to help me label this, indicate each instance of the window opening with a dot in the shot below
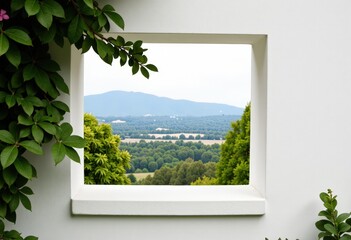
(173, 124)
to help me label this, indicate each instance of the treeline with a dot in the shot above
(184, 173)
(213, 127)
(151, 156)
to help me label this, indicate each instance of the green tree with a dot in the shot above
(104, 162)
(205, 181)
(233, 166)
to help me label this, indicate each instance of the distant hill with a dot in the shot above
(120, 103)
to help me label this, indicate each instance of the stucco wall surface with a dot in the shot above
(308, 122)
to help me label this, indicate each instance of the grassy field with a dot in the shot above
(140, 176)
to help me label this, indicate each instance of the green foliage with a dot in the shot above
(333, 226)
(205, 181)
(233, 166)
(184, 173)
(155, 154)
(30, 85)
(104, 163)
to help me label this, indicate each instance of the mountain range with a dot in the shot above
(121, 103)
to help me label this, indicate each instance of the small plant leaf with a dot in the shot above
(116, 18)
(151, 67)
(330, 228)
(74, 141)
(7, 137)
(58, 152)
(32, 146)
(9, 176)
(32, 7)
(4, 44)
(37, 133)
(23, 167)
(25, 201)
(44, 16)
(342, 217)
(19, 36)
(8, 156)
(72, 154)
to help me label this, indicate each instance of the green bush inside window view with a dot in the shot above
(189, 124)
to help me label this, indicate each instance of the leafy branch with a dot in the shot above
(30, 84)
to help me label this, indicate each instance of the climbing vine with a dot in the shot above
(30, 83)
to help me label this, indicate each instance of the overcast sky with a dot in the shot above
(198, 72)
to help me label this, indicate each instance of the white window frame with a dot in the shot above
(179, 200)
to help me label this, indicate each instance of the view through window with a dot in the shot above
(189, 124)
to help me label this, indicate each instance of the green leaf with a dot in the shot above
(66, 130)
(31, 238)
(330, 228)
(135, 68)
(42, 80)
(345, 237)
(89, 3)
(23, 167)
(151, 67)
(26, 190)
(17, 4)
(16, 79)
(342, 217)
(8, 156)
(320, 224)
(72, 154)
(26, 121)
(10, 100)
(25, 201)
(37, 133)
(25, 132)
(75, 30)
(7, 137)
(48, 127)
(27, 107)
(32, 146)
(44, 16)
(6, 196)
(35, 101)
(101, 48)
(14, 203)
(19, 36)
(3, 210)
(29, 72)
(74, 141)
(61, 105)
(324, 197)
(14, 55)
(32, 7)
(55, 8)
(145, 72)
(58, 152)
(9, 176)
(4, 44)
(344, 227)
(116, 18)
(59, 82)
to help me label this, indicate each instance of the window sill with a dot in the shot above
(168, 200)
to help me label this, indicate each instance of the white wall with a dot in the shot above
(308, 122)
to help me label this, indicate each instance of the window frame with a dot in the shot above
(178, 200)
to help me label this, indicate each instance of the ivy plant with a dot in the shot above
(30, 85)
